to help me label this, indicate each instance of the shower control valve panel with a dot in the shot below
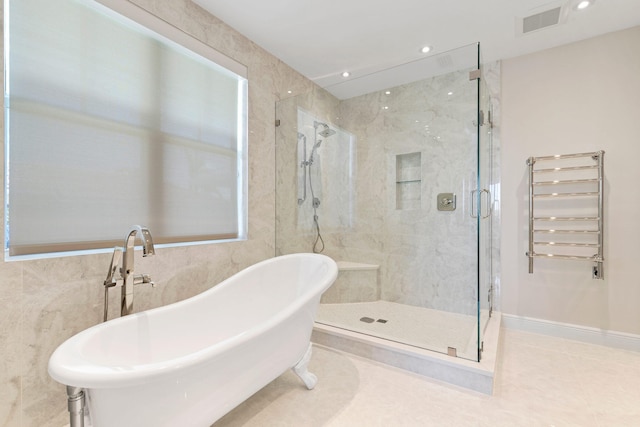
(446, 202)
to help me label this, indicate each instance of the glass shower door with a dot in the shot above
(404, 226)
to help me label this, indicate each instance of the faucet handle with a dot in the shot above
(149, 281)
(140, 279)
(113, 267)
(115, 283)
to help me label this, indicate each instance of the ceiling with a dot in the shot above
(322, 39)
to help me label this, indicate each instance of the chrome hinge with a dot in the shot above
(475, 74)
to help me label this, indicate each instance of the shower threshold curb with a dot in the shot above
(477, 376)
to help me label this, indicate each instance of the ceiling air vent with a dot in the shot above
(541, 20)
(445, 61)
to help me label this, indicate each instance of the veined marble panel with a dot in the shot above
(423, 246)
(11, 346)
(353, 286)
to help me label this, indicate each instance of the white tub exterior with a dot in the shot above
(191, 362)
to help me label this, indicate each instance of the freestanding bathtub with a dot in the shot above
(191, 362)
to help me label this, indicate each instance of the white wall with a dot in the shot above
(575, 98)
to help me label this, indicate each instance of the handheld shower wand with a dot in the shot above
(306, 163)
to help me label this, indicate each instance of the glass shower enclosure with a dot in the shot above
(391, 175)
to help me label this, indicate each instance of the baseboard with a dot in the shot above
(586, 334)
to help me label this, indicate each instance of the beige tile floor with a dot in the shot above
(540, 381)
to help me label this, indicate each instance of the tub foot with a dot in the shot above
(301, 370)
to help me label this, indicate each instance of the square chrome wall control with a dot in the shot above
(446, 202)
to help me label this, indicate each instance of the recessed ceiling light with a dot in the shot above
(584, 4)
(388, 92)
(346, 74)
(426, 49)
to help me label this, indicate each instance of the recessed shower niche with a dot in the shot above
(408, 181)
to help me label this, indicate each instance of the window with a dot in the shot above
(109, 124)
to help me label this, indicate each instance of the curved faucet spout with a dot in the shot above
(145, 235)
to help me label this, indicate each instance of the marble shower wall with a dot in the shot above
(427, 257)
(329, 164)
(294, 231)
(430, 125)
(45, 301)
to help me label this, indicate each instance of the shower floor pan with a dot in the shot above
(416, 339)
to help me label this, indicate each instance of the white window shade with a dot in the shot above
(110, 125)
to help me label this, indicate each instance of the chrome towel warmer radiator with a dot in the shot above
(562, 191)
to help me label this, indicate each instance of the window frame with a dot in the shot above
(119, 9)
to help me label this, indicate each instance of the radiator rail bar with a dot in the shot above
(594, 162)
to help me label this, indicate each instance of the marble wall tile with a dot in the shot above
(492, 76)
(47, 317)
(353, 286)
(294, 229)
(10, 362)
(413, 271)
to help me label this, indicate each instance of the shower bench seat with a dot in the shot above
(356, 282)
(355, 266)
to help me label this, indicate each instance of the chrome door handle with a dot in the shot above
(473, 212)
(489, 203)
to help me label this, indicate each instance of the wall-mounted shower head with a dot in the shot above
(327, 132)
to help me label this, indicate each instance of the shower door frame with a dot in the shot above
(485, 204)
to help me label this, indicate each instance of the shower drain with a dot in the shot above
(371, 320)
